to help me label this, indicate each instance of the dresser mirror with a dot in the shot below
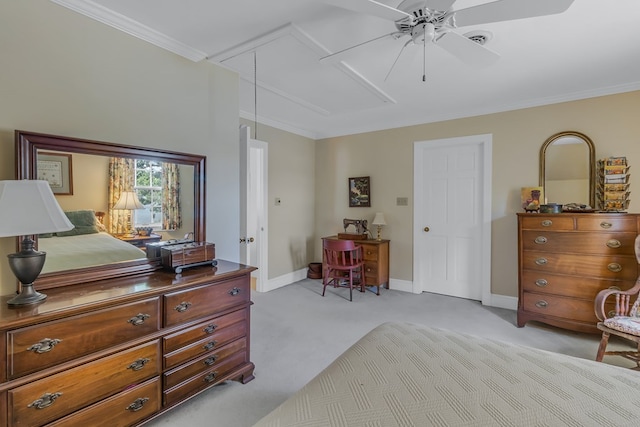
(191, 184)
(567, 169)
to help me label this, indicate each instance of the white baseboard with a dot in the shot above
(401, 285)
(286, 279)
(503, 301)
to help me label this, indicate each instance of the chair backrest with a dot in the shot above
(341, 252)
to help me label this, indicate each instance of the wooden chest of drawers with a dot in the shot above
(565, 259)
(130, 349)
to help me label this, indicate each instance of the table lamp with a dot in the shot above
(128, 201)
(27, 208)
(379, 221)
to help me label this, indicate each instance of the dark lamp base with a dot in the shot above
(28, 296)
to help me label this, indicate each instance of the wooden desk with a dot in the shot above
(376, 259)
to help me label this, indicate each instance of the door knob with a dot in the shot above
(426, 229)
(251, 240)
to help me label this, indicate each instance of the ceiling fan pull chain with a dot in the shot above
(424, 54)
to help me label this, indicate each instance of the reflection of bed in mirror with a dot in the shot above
(73, 252)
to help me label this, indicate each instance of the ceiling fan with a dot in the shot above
(435, 22)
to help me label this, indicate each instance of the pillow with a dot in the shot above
(84, 221)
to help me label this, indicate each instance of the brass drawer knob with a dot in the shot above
(137, 404)
(541, 282)
(541, 261)
(614, 243)
(44, 346)
(182, 307)
(547, 223)
(606, 225)
(211, 377)
(614, 288)
(235, 291)
(540, 240)
(210, 328)
(542, 304)
(138, 364)
(614, 267)
(46, 400)
(138, 319)
(209, 346)
(210, 360)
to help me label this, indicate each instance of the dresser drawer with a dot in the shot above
(203, 330)
(53, 397)
(369, 252)
(121, 410)
(371, 272)
(36, 347)
(212, 342)
(579, 242)
(558, 306)
(608, 267)
(547, 222)
(205, 363)
(619, 222)
(199, 302)
(203, 380)
(570, 286)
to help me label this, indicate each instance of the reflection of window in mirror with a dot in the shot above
(148, 186)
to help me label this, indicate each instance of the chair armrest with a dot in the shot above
(602, 296)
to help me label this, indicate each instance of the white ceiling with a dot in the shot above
(591, 49)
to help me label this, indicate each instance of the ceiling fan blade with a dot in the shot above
(442, 5)
(466, 50)
(507, 10)
(339, 55)
(371, 7)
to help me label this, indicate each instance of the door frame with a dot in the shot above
(262, 239)
(485, 141)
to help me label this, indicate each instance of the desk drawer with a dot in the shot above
(369, 252)
(68, 391)
(121, 410)
(195, 303)
(36, 347)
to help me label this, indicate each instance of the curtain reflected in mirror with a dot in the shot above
(567, 169)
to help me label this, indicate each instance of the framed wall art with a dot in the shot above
(55, 168)
(359, 192)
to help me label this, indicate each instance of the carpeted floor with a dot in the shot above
(295, 333)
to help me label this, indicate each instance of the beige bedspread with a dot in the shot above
(410, 375)
(69, 252)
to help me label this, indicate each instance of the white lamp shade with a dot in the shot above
(29, 207)
(379, 219)
(128, 201)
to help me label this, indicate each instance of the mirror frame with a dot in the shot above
(27, 146)
(592, 160)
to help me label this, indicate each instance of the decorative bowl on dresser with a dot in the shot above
(565, 259)
(121, 351)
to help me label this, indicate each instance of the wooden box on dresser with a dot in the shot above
(565, 259)
(121, 351)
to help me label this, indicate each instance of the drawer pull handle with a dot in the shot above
(235, 291)
(542, 304)
(614, 288)
(137, 404)
(540, 240)
(611, 313)
(541, 261)
(138, 364)
(46, 400)
(614, 243)
(182, 307)
(606, 225)
(209, 346)
(44, 345)
(211, 377)
(138, 319)
(541, 282)
(614, 267)
(210, 360)
(547, 223)
(210, 328)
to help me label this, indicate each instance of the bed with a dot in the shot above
(85, 250)
(402, 374)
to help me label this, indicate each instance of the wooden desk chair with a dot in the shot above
(344, 265)
(624, 321)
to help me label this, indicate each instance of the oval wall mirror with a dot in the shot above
(567, 169)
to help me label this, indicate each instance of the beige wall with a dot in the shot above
(66, 74)
(387, 156)
(291, 178)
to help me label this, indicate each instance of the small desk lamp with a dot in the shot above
(379, 221)
(128, 201)
(28, 207)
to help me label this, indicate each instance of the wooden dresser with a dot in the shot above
(565, 259)
(376, 259)
(119, 352)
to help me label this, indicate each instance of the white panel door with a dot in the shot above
(450, 216)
